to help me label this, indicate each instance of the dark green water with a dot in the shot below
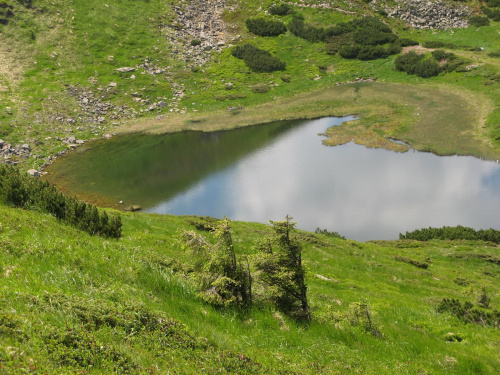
(265, 172)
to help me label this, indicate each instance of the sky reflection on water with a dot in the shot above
(363, 194)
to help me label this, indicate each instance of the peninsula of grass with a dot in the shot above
(455, 118)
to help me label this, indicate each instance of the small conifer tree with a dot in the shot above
(281, 270)
(222, 281)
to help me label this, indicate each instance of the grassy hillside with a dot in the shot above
(74, 303)
(59, 77)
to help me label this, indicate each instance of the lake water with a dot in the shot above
(268, 171)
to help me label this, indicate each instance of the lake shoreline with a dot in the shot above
(318, 104)
(388, 110)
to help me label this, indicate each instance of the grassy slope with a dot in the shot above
(54, 278)
(58, 282)
(81, 43)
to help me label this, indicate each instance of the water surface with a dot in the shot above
(268, 171)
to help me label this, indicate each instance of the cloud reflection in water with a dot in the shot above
(361, 193)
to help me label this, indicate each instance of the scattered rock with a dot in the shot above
(133, 208)
(424, 14)
(125, 70)
(198, 30)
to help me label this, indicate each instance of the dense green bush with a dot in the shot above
(349, 52)
(413, 63)
(341, 29)
(335, 42)
(372, 53)
(453, 233)
(452, 61)
(405, 42)
(438, 44)
(439, 54)
(280, 10)
(366, 38)
(373, 36)
(21, 190)
(368, 52)
(493, 3)
(263, 27)
(478, 21)
(298, 27)
(257, 59)
(427, 68)
(493, 14)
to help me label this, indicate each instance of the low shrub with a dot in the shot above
(493, 14)
(328, 233)
(349, 52)
(427, 68)
(78, 348)
(372, 36)
(298, 27)
(413, 63)
(263, 27)
(21, 190)
(372, 53)
(478, 21)
(405, 42)
(280, 10)
(229, 97)
(438, 44)
(468, 313)
(257, 59)
(335, 42)
(494, 54)
(439, 54)
(260, 88)
(453, 233)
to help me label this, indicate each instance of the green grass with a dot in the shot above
(56, 280)
(80, 43)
